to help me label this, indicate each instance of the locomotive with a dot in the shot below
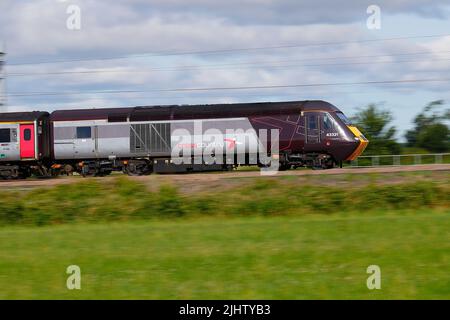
(141, 140)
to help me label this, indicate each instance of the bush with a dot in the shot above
(125, 199)
(169, 202)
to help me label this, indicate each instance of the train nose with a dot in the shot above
(361, 143)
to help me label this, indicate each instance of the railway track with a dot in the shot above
(202, 177)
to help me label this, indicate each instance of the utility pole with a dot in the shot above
(2, 78)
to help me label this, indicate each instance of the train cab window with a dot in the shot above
(312, 122)
(5, 135)
(83, 132)
(343, 118)
(27, 134)
(327, 122)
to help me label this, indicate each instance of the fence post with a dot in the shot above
(417, 159)
(396, 160)
(375, 161)
(438, 158)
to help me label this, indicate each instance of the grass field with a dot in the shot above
(241, 238)
(122, 199)
(319, 256)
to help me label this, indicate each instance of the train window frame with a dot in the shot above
(316, 124)
(5, 135)
(27, 134)
(344, 118)
(82, 132)
(327, 116)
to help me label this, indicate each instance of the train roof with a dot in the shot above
(22, 116)
(88, 114)
(180, 112)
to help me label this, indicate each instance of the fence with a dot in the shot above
(400, 160)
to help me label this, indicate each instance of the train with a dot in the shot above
(141, 140)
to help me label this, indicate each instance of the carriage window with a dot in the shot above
(5, 135)
(312, 122)
(327, 122)
(27, 134)
(83, 132)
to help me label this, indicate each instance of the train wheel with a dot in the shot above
(102, 174)
(85, 172)
(137, 168)
(23, 173)
(284, 167)
(329, 164)
(323, 165)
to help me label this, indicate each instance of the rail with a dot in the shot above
(400, 160)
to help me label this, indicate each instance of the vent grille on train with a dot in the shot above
(150, 138)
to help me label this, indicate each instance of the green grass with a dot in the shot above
(122, 199)
(289, 257)
(266, 238)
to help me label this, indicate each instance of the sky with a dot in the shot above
(141, 52)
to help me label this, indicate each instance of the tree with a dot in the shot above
(374, 124)
(434, 138)
(430, 132)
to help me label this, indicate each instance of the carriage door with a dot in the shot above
(85, 144)
(312, 127)
(27, 143)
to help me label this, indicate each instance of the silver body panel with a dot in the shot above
(10, 151)
(149, 138)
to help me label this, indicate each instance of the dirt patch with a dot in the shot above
(204, 182)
